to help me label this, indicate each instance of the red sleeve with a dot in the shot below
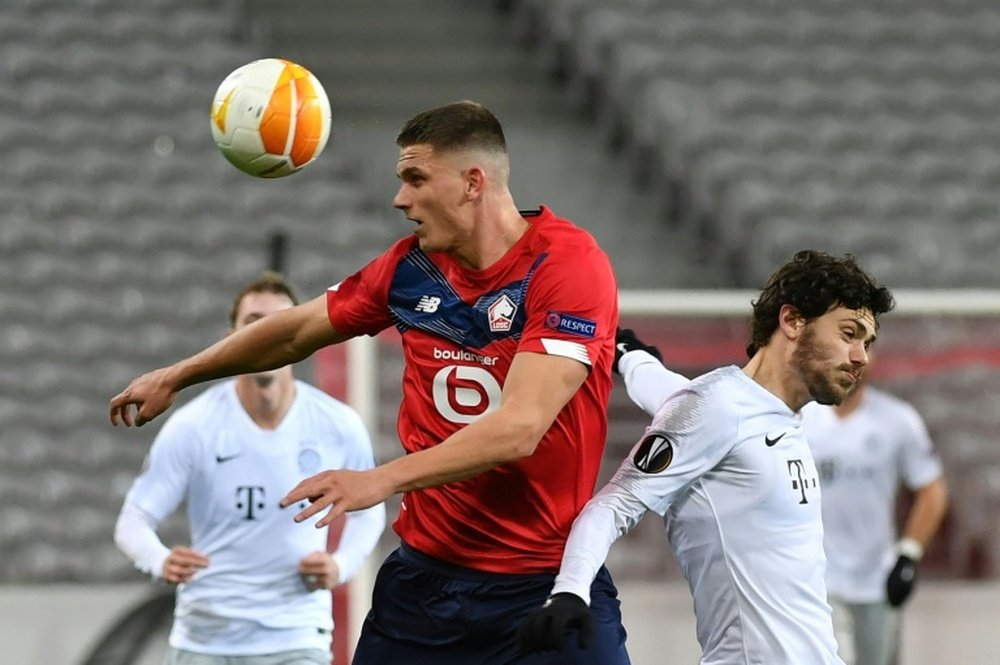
(359, 304)
(572, 306)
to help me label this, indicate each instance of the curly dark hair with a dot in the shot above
(814, 283)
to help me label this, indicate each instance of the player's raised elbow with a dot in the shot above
(308, 329)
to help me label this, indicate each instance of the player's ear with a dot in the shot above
(475, 182)
(791, 321)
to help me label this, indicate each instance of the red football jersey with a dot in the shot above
(553, 292)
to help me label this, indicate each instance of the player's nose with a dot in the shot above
(859, 355)
(401, 200)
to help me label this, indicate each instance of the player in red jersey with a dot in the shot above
(508, 322)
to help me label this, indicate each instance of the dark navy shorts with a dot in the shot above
(428, 612)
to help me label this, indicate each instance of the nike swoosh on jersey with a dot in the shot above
(768, 441)
(220, 459)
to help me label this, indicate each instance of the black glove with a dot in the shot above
(901, 580)
(625, 341)
(545, 629)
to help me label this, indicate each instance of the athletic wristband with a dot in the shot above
(909, 547)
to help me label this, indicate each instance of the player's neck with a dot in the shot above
(850, 403)
(498, 228)
(769, 369)
(266, 398)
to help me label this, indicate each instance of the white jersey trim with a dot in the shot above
(561, 347)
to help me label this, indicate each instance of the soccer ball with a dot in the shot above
(270, 118)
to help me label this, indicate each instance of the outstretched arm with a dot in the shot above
(610, 514)
(647, 381)
(273, 341)
(538, 386)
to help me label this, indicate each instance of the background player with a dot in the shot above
(253, 582)
(506, 381)
(726, 463)
(865, 448)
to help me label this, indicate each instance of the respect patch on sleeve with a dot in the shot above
(574, 325)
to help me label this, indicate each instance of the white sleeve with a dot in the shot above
(920, 465)
(647, 382)
(163, 482)
(609, 515)
(362, 529)
(135, 536)
(155, 494)
(689, 436)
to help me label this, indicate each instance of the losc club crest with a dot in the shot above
(501, 314)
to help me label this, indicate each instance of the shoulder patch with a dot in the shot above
(655, 453)
(574, 325)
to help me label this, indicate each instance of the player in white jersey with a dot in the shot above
(864, 449)
(253, 587)
(726, 464)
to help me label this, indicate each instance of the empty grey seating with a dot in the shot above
(123, 237)
(900, 93)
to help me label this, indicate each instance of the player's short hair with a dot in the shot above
(269, 282)
(456, 126)
(814, 283)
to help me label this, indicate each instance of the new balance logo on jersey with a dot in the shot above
(428, 304)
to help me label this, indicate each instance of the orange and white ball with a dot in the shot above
(270, 118)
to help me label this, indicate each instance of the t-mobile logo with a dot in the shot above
(797, 470)
(249, 498)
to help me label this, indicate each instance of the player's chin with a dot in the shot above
(831, 394)
(427, 244)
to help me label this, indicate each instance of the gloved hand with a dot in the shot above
(902, 578)
(545, 629)
(625, 341)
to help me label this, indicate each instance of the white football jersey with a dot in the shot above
(862, 460)
(250, 599)
(726, 463)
